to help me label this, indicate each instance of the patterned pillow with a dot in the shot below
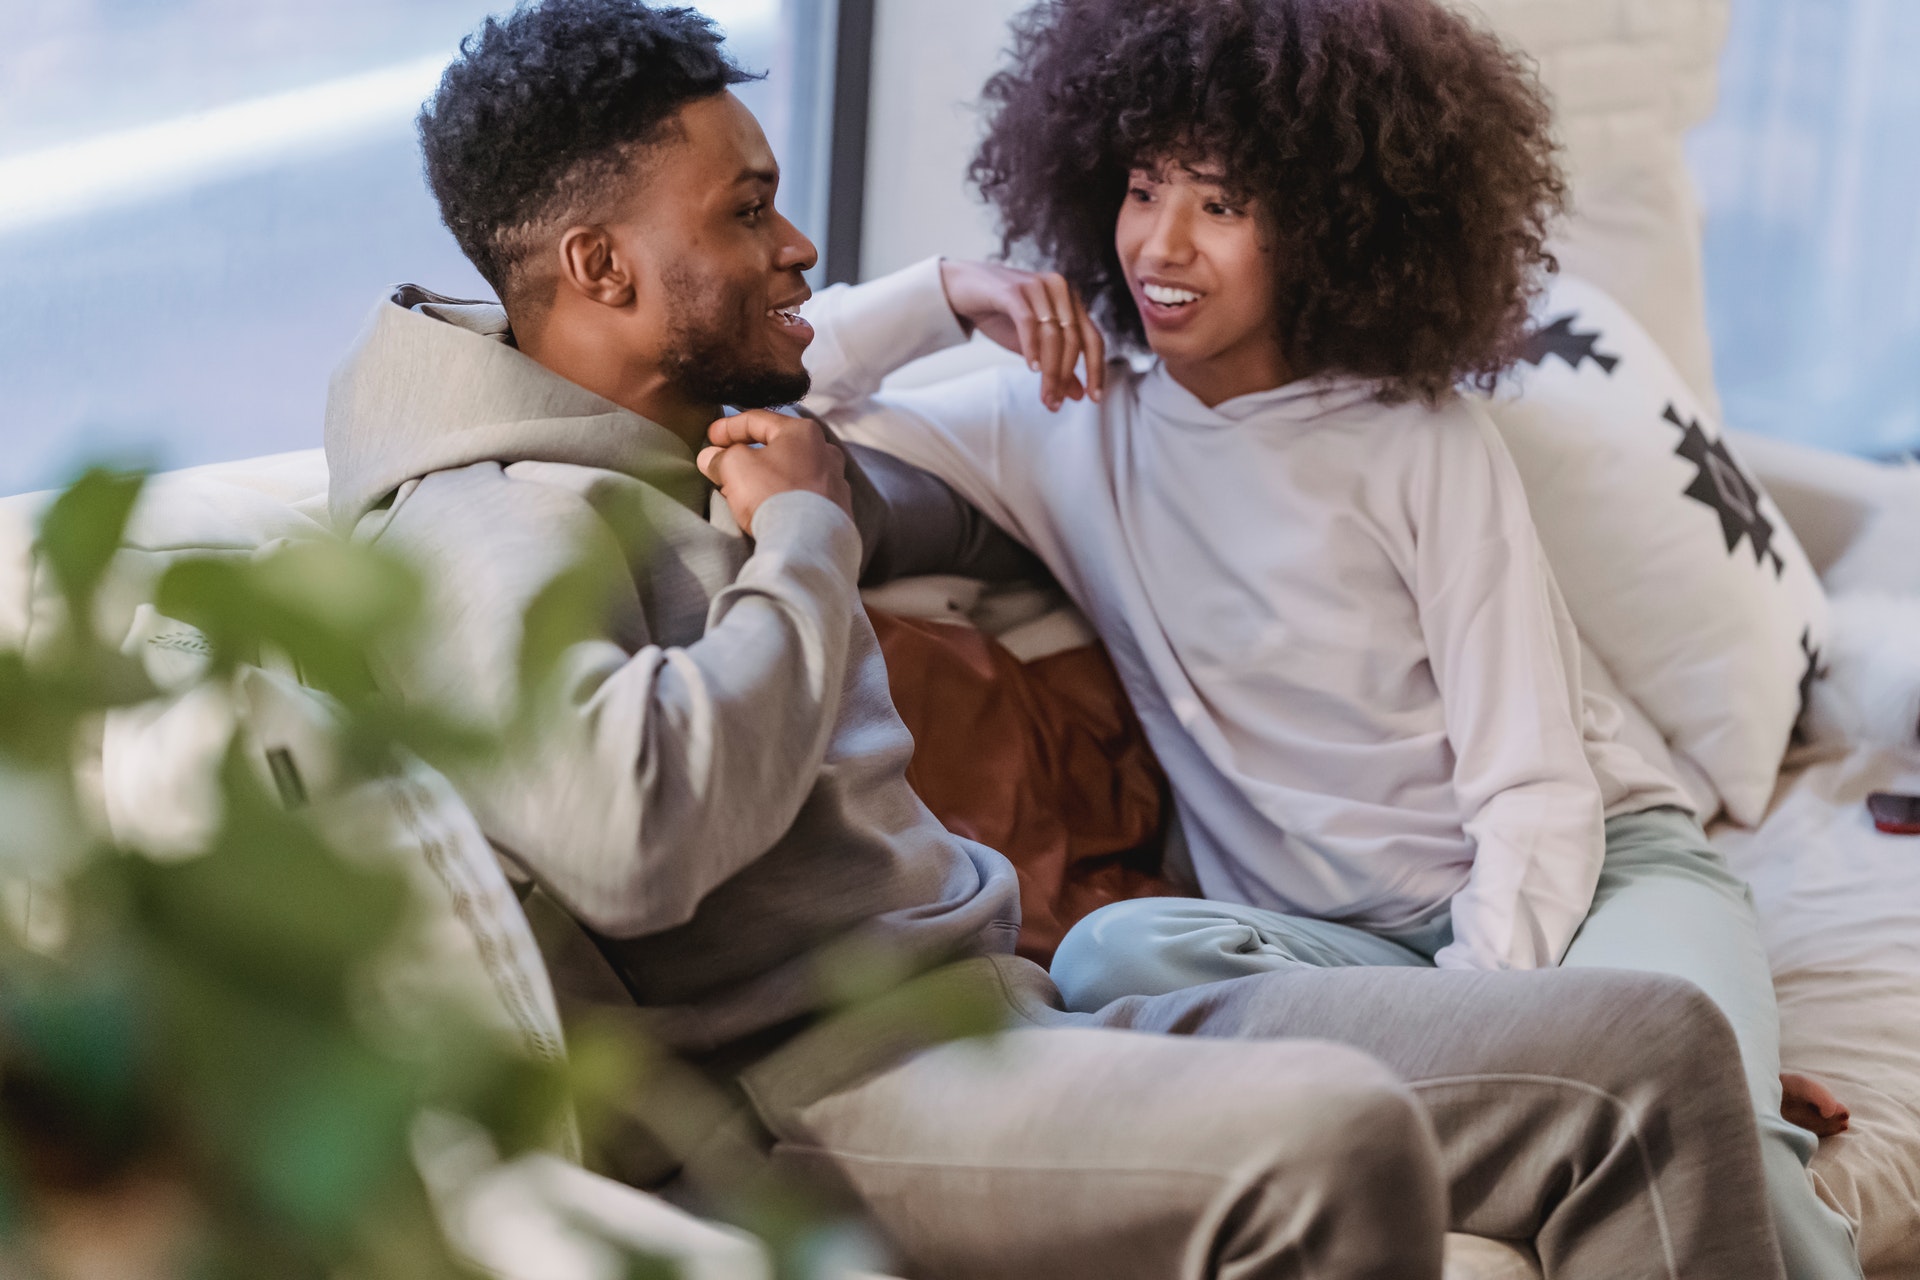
(1677, 567)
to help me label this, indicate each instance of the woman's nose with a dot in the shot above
(1169, 241)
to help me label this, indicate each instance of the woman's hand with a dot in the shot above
(1811, 1105)
(1036, 315)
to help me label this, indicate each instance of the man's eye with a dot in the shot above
(753, 211)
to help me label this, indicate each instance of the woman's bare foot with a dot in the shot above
(1811, 1105)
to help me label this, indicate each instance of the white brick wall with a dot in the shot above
(1628, 78)
(1621, 72)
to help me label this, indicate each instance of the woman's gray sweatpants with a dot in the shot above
(1666, 903)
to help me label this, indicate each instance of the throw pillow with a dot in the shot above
(1043, 761)
(1677, 567)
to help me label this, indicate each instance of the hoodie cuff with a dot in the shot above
(798, 519)
(886, 323)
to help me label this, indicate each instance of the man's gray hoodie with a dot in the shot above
(725, 792)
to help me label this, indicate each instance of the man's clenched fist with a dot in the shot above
(757, 454)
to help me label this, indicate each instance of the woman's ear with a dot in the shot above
(593, 266)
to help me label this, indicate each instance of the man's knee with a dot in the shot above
(1369, 1126)
(1649, 1026)
(1363, 1151)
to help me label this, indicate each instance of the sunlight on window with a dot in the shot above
(201, 200)
(87, 176)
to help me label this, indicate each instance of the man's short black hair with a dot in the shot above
(542, 109)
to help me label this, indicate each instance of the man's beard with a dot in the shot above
(707, 360)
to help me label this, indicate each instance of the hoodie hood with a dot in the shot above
(435, 383)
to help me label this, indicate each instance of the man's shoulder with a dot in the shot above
(489, 501)
(488, 522)
(505, 530)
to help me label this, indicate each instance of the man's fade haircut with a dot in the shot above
(543, 109)
(1403, 159)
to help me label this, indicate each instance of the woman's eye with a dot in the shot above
(1219, 210)
(1140, 194)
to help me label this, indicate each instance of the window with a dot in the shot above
(201, 200)
(1810, 175)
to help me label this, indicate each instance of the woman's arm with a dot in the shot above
(862, 333)
(970, 433)
(1503, 653)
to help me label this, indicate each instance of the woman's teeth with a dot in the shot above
(1168, 297)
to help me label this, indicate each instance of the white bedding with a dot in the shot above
(1839, 908)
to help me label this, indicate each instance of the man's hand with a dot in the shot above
(1038, 316)
(757, 454)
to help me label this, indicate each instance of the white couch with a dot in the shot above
(1840, 904)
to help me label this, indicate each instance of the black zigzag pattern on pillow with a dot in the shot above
(1814, 673)
(1722, 485)
(1559, 339)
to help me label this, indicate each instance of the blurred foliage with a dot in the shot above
(197, 1024)
(189, 1038)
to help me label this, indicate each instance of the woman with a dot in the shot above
(1313, 561)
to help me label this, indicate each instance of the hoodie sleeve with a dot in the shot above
(658, 771)
(1505, 658)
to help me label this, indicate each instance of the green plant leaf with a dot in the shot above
(81, 531)
(76, 1037)
(270, 907)
(292, 1116)
(648, 1266)
(327, 605)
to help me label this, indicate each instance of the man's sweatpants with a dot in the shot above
(1325, 1123)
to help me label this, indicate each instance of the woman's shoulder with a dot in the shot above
(1455, 430)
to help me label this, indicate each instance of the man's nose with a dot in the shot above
(796, 251)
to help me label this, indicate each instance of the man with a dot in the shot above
(718, 793)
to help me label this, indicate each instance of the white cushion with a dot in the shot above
(1678, 569)
(229, 508)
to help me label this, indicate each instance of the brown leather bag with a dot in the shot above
(1044, 761)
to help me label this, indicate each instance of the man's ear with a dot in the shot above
(595, 268)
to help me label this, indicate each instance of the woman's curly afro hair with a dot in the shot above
(1401, 157)
(542, 108)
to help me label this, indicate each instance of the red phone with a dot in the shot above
(1895, 814)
